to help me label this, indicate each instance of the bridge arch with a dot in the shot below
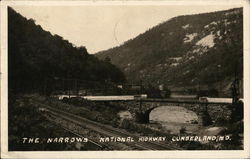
(178, 114)
(200, 110)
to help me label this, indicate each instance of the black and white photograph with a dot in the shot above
(124, 76)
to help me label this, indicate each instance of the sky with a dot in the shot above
(100, 27)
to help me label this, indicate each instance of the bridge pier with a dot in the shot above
(142, 117)
(203, 115)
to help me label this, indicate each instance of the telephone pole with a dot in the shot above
(140, 95)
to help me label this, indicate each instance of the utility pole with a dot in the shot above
(69, 88)
(218, 78)
(64, 92)
(140, 95)
(68, 83)
(45, 86)
(237, 105)
(234, 89)
(76, 87)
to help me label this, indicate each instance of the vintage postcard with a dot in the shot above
(125, 79)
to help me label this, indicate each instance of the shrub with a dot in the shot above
(183, 130)
(221, 121)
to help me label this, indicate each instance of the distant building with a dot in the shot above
(119, 86)
(132, 87)
(161, 87)
(135, 87)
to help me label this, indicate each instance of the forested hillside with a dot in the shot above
(204, 50)
(36, 58)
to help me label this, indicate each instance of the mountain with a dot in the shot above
(189, 51)
(36, 58)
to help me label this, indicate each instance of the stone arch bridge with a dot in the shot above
(207, 112)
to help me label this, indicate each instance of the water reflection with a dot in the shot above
(173, 118)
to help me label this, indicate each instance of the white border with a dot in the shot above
(124, 154)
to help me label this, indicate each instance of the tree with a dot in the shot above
(107, 59)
